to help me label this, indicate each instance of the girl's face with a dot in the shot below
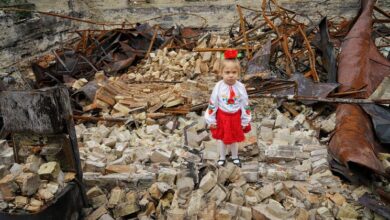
(230, 73)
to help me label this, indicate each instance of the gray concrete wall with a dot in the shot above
(34, 35)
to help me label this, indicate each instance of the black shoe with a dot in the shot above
(237, 162)
(221, 162)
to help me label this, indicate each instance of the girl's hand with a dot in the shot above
(246, 128)
(213, 126)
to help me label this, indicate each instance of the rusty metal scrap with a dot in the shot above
(348, 145)
(296, 88)
(291, 31)
(259, 86)
(297, 46)
(259, 65)
(112, 51)
(243, 31)
(288, 36)
(361, 66)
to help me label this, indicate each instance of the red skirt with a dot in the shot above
(229, 129)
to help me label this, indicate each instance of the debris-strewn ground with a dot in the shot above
(138, 97)
(154, 171)
(162, 166)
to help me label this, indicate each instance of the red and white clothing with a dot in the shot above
(229, 110)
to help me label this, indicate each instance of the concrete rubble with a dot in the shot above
(285, 173)
(164, 167)
(159, 161)
(28, 186)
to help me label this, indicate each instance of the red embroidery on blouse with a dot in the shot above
(231, 96)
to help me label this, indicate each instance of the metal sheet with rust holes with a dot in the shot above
(361, 66)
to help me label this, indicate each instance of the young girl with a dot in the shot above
(228, 113)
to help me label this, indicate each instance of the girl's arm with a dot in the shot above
(245, 108)
(211, 110)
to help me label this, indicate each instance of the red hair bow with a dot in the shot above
(230, 54)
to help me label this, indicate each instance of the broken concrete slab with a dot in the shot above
(124, 209)
(195, 203)
(217, 194)
(21, 201)
(161, 156)
(95, 215)
(116, 196)
(49, 171)
(266, 133)
(167, 175)
(28, 183)
(237, 196)
(210, 151)
(8, 187)
(265, 192)
(208, 182)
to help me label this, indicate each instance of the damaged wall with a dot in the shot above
(32, 35)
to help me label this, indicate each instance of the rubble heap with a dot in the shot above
(194, 74)
(159, 171)
(120, 99)
(158, 161)
(182, 65)
(30, 186)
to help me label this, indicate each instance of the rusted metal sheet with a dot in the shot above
(360, 66)
(258, 66)
(348, 145)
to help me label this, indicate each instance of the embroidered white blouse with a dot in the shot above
(229, 99)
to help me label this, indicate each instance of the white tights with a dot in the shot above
(222, 150)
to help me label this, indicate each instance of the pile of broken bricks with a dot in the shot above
(146, 86)
(182, 65)
(166, 172)
(28, 187)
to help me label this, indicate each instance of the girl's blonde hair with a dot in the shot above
(234, 61)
